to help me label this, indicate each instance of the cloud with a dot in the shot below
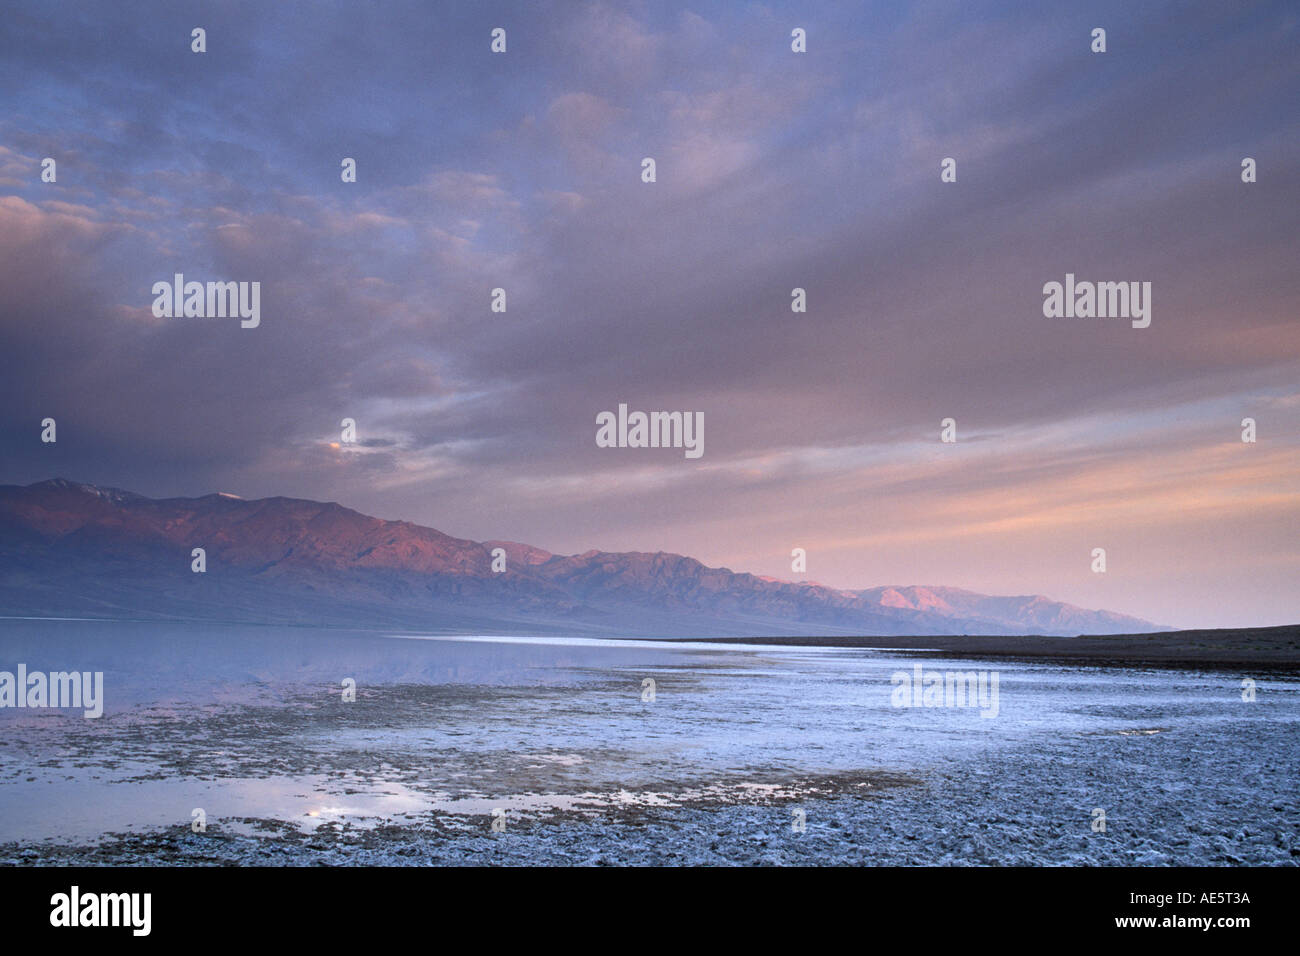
(776, 171)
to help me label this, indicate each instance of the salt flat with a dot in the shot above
(249, 724)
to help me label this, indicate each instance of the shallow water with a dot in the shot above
(250, 723)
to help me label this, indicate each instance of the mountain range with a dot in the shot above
(78, 550)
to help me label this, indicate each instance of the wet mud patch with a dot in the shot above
(456, 831)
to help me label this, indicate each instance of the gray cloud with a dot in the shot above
(522, 172)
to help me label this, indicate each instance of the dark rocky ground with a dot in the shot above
(1257, 649)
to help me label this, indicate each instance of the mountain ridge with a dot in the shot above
(73, 547)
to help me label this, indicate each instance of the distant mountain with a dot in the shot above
(74, 550)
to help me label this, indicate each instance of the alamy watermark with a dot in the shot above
(651, 430)
(215, 300)
(1100, 300)
(75, 908)
(56, 689)
(931, 688)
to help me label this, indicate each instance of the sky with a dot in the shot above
(775, 170)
